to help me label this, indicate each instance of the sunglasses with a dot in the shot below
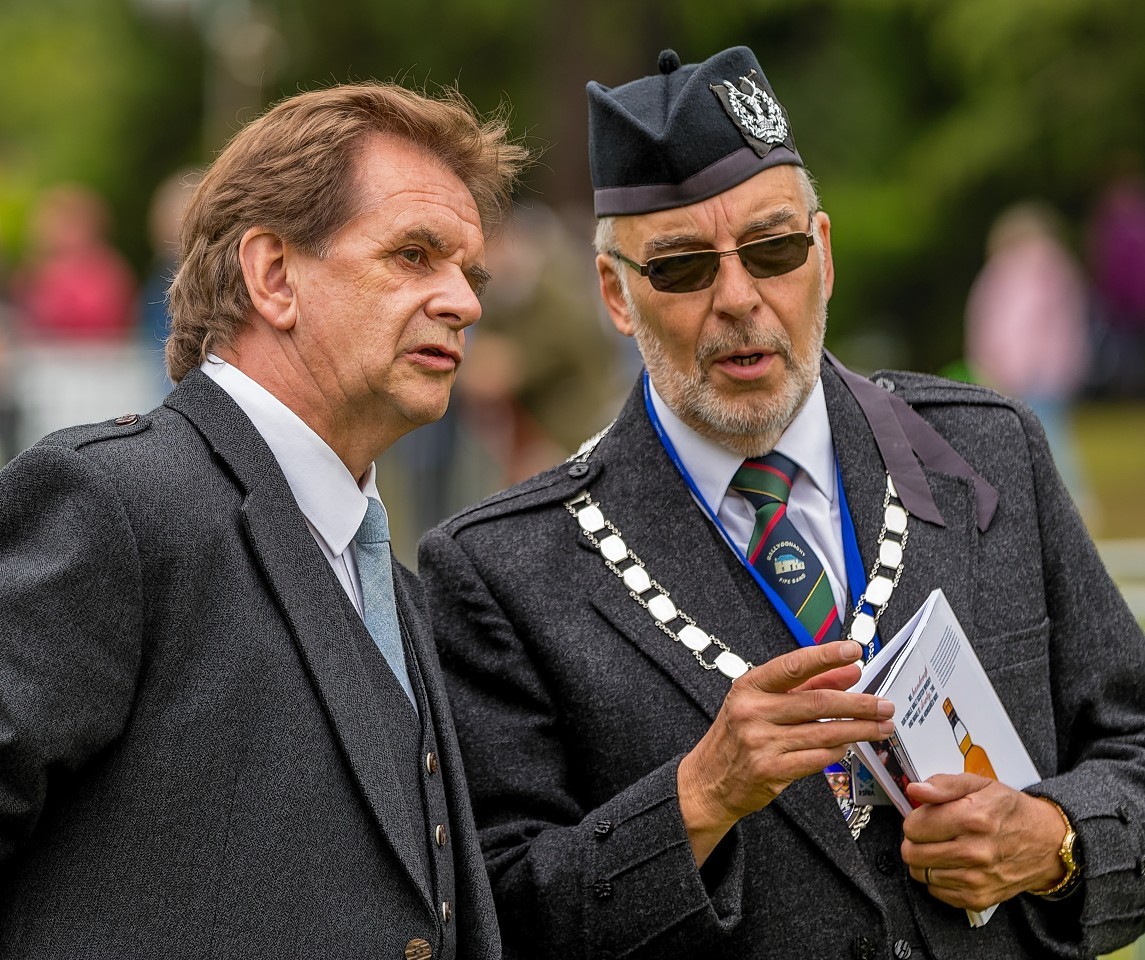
(687, 272)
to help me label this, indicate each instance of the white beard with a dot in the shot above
(750, 425)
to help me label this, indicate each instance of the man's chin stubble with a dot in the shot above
(750, 427)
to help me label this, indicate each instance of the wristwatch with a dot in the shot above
(1070, 854)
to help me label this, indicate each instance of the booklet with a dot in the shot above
(948, 719)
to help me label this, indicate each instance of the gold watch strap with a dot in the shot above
(1066, 885)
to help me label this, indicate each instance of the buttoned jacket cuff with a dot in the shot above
(1110, 904)
(644, 883)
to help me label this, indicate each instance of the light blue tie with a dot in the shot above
(376, 575)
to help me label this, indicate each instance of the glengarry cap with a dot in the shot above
(685, 134)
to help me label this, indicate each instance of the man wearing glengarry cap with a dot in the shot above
(649, 647)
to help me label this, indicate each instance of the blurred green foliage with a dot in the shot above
(920, 118)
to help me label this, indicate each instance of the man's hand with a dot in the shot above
(778, 723)
(982, 842)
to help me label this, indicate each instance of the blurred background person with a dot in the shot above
(539, 377)
(541, 374)
(1027, 331)
(76, 311)
(74, 286)
(1117, 263)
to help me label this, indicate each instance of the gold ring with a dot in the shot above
(926, 876)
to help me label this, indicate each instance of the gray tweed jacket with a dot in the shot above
(196, 755)
(574, 709)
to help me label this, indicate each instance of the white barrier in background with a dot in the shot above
(60, 386)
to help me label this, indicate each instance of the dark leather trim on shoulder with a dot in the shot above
(553, 486)
(922, 388)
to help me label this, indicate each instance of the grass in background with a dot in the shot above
(1111, 448)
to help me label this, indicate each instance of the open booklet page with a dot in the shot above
(948, 719)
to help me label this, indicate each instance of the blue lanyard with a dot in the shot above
(856, 577)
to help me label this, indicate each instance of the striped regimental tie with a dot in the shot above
(779, 552)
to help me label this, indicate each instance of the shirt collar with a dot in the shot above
(807, 441)
(326, 492)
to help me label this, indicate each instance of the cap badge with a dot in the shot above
(758, 115)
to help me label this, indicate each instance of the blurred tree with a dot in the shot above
(920, 118)
(92, 93)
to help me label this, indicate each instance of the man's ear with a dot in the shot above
(822, 229)
(262, 256)
(612, 294)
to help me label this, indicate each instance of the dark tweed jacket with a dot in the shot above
(195, 751)
(573, 708)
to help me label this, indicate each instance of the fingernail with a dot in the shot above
(860, 663)
(885, 708)
(886, 727)
(854, 650)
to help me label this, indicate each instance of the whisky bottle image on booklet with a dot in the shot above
(974, 757)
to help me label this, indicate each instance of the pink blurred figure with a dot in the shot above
(75, 286)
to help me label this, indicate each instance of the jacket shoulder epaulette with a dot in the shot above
(87, 434)
(555, 485)
(927, 388)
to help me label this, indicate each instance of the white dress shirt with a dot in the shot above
(331, 500)
(813, 506)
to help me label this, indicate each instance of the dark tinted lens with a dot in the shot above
(775, 256)
(682, 272)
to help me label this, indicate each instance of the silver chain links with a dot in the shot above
(885, 574)
(657, 600)
(648, 592)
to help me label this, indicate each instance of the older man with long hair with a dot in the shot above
(222, 726)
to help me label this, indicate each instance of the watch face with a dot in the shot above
(1066, 852)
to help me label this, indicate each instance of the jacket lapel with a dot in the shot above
(934, 556)
(320, 617)
(640, 491)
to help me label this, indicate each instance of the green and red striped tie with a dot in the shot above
(779, 552)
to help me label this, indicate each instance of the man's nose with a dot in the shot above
(735, 292)
(458, 304)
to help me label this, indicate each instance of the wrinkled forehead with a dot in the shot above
(403, 186)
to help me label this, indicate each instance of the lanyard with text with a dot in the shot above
(856, 577)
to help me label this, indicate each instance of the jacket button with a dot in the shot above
(602, 889)
(602, 829)
(127, 419)
(431, 763)
(439, 835)
(577, 470)
(886, 383)
(446, 911)
(1122, 813)
(863, 948)
(902, 950)
(885, 862)
(418, 949)
(1141, 866)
